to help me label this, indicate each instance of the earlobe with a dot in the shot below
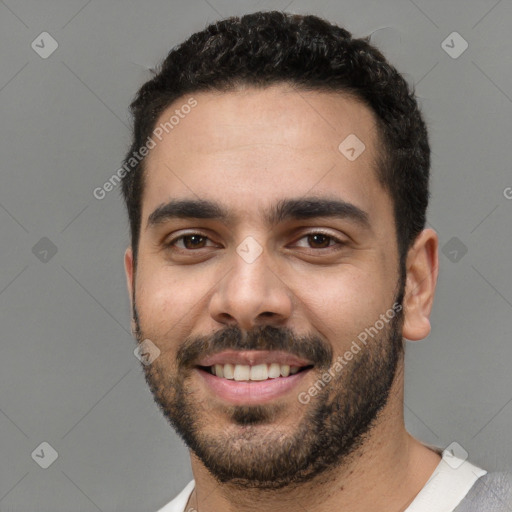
(128, 268)
(422, 270)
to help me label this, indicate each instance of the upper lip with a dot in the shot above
(253, 357)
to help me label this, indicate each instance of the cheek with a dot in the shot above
(169, 300)
(341, 304)
(162, 315)
(161, 299)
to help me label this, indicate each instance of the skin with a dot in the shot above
(246, 150)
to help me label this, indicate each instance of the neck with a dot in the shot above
(389, 468)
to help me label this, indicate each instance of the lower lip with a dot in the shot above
(251, 392)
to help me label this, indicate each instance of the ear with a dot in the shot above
(128, 269)
(422, 268)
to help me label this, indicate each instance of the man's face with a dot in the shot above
(297, 290)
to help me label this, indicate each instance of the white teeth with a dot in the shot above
(229, 371)
(274, 370)
(242, 372)
(257, 372)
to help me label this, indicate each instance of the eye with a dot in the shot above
(320, 240)
(190, 241)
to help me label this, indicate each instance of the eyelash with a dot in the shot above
(171, 244)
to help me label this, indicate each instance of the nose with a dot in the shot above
(251, 295)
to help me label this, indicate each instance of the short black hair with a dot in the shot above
(309, 53)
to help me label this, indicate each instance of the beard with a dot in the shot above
(252, 451)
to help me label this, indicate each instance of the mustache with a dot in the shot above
(266, 337)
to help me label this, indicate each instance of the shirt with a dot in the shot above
(456, 485)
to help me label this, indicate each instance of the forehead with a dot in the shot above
(254, 146)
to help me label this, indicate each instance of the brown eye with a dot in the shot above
(193, 241)
(188, 242)
(319, 239)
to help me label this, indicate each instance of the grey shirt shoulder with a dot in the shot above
(492, 492)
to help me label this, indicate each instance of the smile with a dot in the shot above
(251, 376)
(259, 372)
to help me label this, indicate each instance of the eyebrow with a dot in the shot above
(283, 210)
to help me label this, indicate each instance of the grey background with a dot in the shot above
(68, 373)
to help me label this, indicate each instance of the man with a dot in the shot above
(277, 202)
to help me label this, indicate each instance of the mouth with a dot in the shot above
(258, 372)
(245, 378)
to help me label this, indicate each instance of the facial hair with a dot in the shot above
(253, 452)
